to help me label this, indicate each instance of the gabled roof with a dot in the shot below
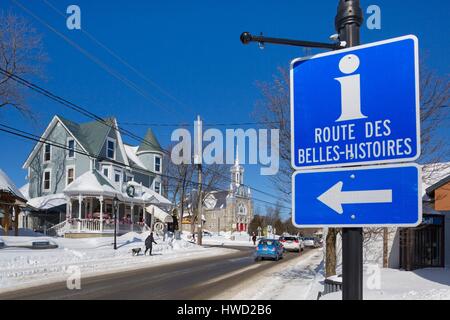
(150, 143)
(91, 135)
(430, 190)
(6, 185)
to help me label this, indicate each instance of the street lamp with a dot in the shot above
(115, 205)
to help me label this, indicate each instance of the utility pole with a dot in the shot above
(199, 205)
(348, 20)
(198, 159)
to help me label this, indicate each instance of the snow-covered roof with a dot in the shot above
(150, 194)
(48, 202)
(92, 183)
(6, 185)
(159, 213)
(25, 189)
(131, 154)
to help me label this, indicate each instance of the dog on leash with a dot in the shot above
(136, 251)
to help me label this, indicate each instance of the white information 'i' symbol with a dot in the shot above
(350, 89)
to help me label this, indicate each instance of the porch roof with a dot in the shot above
(48, 202)
(92, 183)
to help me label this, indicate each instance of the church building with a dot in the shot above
(229, 210)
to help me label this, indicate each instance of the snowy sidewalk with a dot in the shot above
(393, 284)
(296, 280)
(22, 268)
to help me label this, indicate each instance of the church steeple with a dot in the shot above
(237, 172)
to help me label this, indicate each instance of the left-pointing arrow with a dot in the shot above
(335, 197)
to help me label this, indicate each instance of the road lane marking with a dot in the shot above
(232, 274)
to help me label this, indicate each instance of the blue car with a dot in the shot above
(269, 248)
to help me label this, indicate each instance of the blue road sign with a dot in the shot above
(388, 195)
(356, 106)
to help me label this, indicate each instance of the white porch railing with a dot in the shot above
(58, 230)
(92, 226)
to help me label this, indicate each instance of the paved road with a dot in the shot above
(194, 279)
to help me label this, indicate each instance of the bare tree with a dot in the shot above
(274, 109)
(21, 54)
(181, 184)
(177, 182)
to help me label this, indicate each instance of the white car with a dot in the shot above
(309, 242)
(292, 243)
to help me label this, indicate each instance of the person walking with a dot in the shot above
(254, 238)
(149, 241)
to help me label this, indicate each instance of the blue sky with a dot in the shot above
(192, 50)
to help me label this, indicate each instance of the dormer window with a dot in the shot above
(111, 148)
(157, 164)
(47, 152)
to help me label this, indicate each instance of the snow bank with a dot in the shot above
(21, 267)
(22, 232)
(297, 280)
(394, 284)
(228, 239)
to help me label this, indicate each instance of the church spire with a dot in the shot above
(237, 171)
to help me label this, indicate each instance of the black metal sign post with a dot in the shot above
(348, 21)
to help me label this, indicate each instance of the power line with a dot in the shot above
(75, 107)
(203, 124)
(33, 137)
(123, 61)
(95, 117)
(97, 61)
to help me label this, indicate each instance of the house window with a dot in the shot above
(71, 148)
(106, 172)
(117, 176)
(111, 148)
(157, 187)
(70, 175)
(129, 178)
(157, 164)
(47, 152)
(46, 183)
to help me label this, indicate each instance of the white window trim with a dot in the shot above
(49, 180)
(107, 168)
(74, 147)
(43, 153)
(119, 172)
(115, 147)
(154, 186)
(67, 174)
(127, 175)
(160, 163)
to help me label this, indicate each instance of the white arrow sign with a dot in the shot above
(335, 197)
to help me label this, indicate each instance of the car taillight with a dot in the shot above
(283, 240)
(296, 241)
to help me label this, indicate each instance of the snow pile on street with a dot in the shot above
(394, 284)
(228, 239)
(22, 232)
(297, 280)
(21, 267)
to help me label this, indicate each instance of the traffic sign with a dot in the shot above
(388, 195)
(356, 106)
